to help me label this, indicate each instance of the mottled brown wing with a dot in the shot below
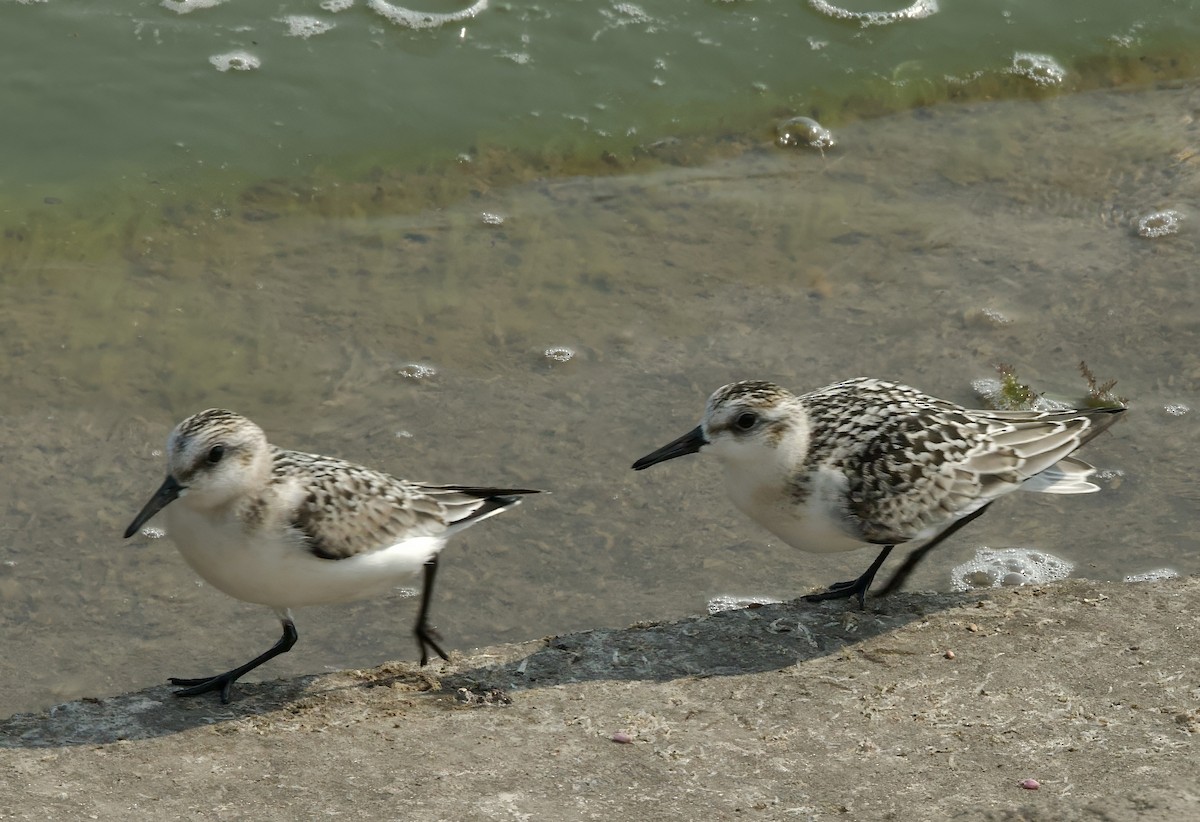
(925, 470)
(351, 510)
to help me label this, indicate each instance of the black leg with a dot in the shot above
(423, 632)
(916, 556)
(855, 587)
(224, 682)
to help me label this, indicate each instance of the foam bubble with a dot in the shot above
(1159, 224)
(559, 353)
(991, 391)
(917, 11)
(1042, 69)
(1009, 567)
(804, 131)
(336, 5)
(417, 371)
(188, 6)
(725, 602)
(300, 25)
(1153, 576)
(235, 60)
(424, 19)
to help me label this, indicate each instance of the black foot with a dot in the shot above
(426, 635)
(224, 682)
(841, 590)
(425, 640)
(856, 588)
(195, 687)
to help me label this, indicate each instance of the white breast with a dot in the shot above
(815, 525)
(267, 566)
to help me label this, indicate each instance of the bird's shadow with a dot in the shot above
(731, 643)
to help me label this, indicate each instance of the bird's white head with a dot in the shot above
(213, 458)
(748, 425)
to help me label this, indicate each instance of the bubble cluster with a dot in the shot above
(991, 391)
(305, 27)
(726, 602)
(803, 131)
(1153, 576)
(559, 353)
(235, 60)
(1176, 409)
(336, 5)
(1042, 69)
(1159, 224)
(915, 12)
(188, 6)
(417, 371)
(491, 218)
(423, 19)
(918, 10)
(1008, 567)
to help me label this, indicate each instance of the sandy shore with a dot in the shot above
(926, 706)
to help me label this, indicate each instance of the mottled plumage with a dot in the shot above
(868, 461)
(289, 529)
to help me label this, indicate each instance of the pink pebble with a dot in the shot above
(621, 736)
(1030, 784)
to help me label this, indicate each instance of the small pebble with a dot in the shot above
(1030, 784)
(949, 654)
(622, 737)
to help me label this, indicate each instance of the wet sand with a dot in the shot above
(924, 706)
(927, 247)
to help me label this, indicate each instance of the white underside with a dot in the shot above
(813, 526)
(271, 570)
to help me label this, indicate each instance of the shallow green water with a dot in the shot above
(105, 95)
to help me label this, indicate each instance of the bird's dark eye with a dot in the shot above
(215, 453)
(745, 421)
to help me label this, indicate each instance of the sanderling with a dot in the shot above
(288, 529)
(870, 462)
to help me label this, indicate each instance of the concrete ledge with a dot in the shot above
(926, 706)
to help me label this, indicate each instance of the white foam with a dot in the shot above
(1009, 567)
(188, 6)
(337, 5)
(424, 19)
(1159, 224)
(991, 391)
(803, 131)
(917, 11)
(235, 60)
(418, 371)
(726, 602)
(300, 25)
(1153, 576)
(1040, 68)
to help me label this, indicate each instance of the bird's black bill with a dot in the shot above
(164, 496)
(689, 443)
